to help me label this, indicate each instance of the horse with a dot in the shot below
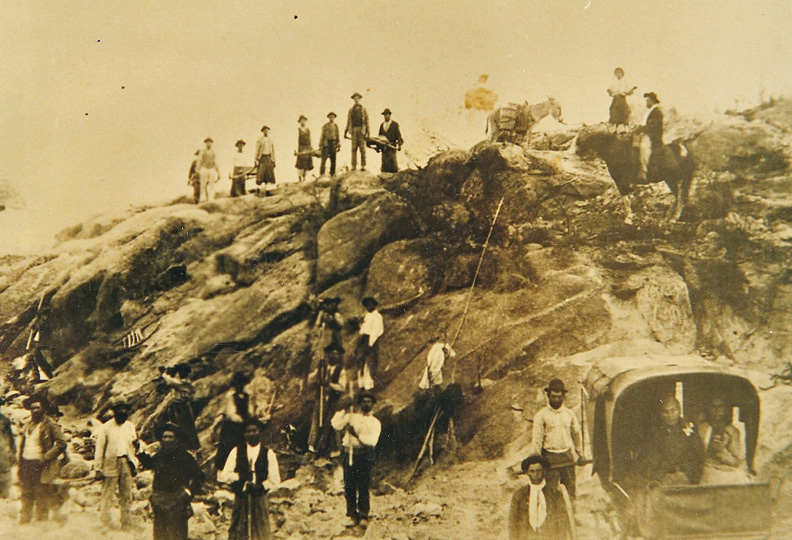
(673, 164)
(526, 117)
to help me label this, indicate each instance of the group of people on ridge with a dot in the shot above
(204, 172)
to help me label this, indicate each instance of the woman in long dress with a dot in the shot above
(304, 149)
(619, 109)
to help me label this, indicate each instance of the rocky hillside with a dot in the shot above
(233, 284)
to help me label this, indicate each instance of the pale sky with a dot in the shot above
(104, 103)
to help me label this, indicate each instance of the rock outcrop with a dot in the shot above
(232, 284)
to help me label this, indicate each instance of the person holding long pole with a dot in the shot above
(252, 470)
(361, 433)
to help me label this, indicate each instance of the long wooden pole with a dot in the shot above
(426, 442)
(473, 285)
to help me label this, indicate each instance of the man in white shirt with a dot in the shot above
(252, 470)
(435, 360)
(115, 461)
(208, 172)
(367, 348)
(557, 437)
(241, 168)
(361, 431)
(265, 160)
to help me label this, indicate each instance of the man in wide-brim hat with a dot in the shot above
(241, 168)
(357, 129)
(329, 144)
(177, 477)
(41, 445)
(557, 436)
(265, 159)
(361, 431)
(208, 172)
(390, 130)
(653, 133)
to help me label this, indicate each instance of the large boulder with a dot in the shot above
(660, 295)
(401, 272)
(346, 242)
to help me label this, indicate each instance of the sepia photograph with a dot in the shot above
(365, 269)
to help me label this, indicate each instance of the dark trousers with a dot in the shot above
(171, 513)
(196, 191)
(328, 151)
(34, 494)
(357, 479)
(562, 469)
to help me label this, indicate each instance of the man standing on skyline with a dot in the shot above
(330, 144)
(208, 173)
(357, 128)
(390, 130)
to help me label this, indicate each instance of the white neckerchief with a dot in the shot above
(537, 506)
(386, 125)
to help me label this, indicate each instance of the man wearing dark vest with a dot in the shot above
(252, 470)
(357, 128)
(329, 144)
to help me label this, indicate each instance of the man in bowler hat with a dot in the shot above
(557, 437)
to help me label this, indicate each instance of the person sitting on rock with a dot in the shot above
(367, 347)
(177, 477)
(538, 509)
(675, 455)
(252, 470)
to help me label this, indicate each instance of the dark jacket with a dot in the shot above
(53, 445)
(654, 127)
(7, 444)
(245, 474)
(173, 471)
(393, 133)
(556, 525)
(675, 449)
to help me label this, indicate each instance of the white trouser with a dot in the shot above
(645, 152)
(207, 178)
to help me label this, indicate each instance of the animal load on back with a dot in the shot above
(513, 122)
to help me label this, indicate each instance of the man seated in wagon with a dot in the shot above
(723, 446)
